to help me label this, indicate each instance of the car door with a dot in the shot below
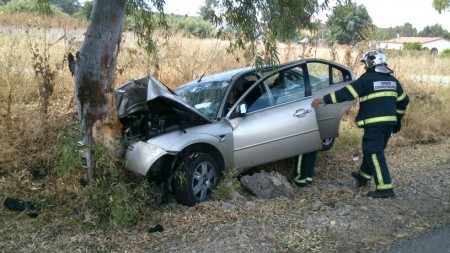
(274, 120)
(326, 77)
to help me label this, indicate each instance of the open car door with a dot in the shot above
(274, 120)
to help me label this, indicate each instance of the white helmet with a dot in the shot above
(376, 58)
(373, 57)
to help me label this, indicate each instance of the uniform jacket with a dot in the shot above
(381, 98)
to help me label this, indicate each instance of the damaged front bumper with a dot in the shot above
(140, 156)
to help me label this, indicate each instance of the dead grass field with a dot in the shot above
(418, 156)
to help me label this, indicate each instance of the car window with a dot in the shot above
(239, 88)
(258, 98)
(340, 75)
(319, 75)
(288, 85)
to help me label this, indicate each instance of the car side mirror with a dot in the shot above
(242, 109)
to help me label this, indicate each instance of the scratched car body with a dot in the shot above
(236, 119)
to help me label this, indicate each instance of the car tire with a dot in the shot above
(327, 144)
(195, 178)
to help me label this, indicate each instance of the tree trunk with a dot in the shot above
(95, 75)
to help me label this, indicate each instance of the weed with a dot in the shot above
(109, 198)
(67, 151)
(228, 184)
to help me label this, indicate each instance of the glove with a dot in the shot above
(397, 127)
(399, 124)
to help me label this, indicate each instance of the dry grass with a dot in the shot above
(27, 139)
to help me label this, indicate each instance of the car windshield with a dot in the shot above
(204, 96)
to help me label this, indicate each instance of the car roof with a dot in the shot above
(228, 75)
(222, 76)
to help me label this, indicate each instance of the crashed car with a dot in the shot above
(240, 119)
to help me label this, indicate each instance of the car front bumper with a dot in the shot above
(140, 156)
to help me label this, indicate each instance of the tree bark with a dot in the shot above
(94, 78)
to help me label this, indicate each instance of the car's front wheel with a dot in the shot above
(195, 178)
(327, 144)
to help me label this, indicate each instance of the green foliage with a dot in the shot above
(42, 7)
(110, 198)
(263, 21)
(190, 26)
(229, 183)
(68, 6)
(412, 46)
(346, 22)
(84, 12)
(67, 152)
(434, 31)
(406, 30)
(143, 21)
(441, 5)
(113, 204)
(446, 52)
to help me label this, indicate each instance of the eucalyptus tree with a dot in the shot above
(441, 5)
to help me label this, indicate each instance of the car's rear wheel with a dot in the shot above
(195, 178)
(327, 144)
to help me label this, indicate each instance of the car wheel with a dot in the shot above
(195, 178)
(327, 144)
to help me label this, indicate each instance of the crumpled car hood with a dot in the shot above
(148, 95)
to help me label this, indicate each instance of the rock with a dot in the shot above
(228, 207)
(237, 196)
(268, 185)
(317, 205)
(250, 205)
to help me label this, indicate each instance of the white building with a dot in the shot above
(432, 44)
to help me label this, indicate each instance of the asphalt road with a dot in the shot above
(431, 241)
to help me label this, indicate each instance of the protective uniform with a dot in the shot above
(382, 105)
(304, 169)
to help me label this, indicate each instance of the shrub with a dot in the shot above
(412, 46)
(446, 52)
(27, 6)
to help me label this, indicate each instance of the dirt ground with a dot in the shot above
(332, 215)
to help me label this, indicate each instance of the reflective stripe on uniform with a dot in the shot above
(376, 164)
(377, 120)
(401, 97)
(298, 180)
(333, 97)
(299, 165)
(385, 187)
(364, 175)
(379, 175)
(352, 91)
(378, 95)
(309, 179)
(401, 111)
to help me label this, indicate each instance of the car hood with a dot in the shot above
(148, 95)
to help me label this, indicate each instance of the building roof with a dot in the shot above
(422, 40)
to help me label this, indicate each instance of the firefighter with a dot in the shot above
(382, 106)
(304, 169)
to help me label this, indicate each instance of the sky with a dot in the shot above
(384, 13)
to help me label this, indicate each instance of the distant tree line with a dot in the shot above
(347, 24)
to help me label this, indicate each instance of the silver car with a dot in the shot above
(236, 119)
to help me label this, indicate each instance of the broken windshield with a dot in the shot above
(205, 97)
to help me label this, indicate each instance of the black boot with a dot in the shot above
(360, 180)
(300, 182)
(381, 194)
